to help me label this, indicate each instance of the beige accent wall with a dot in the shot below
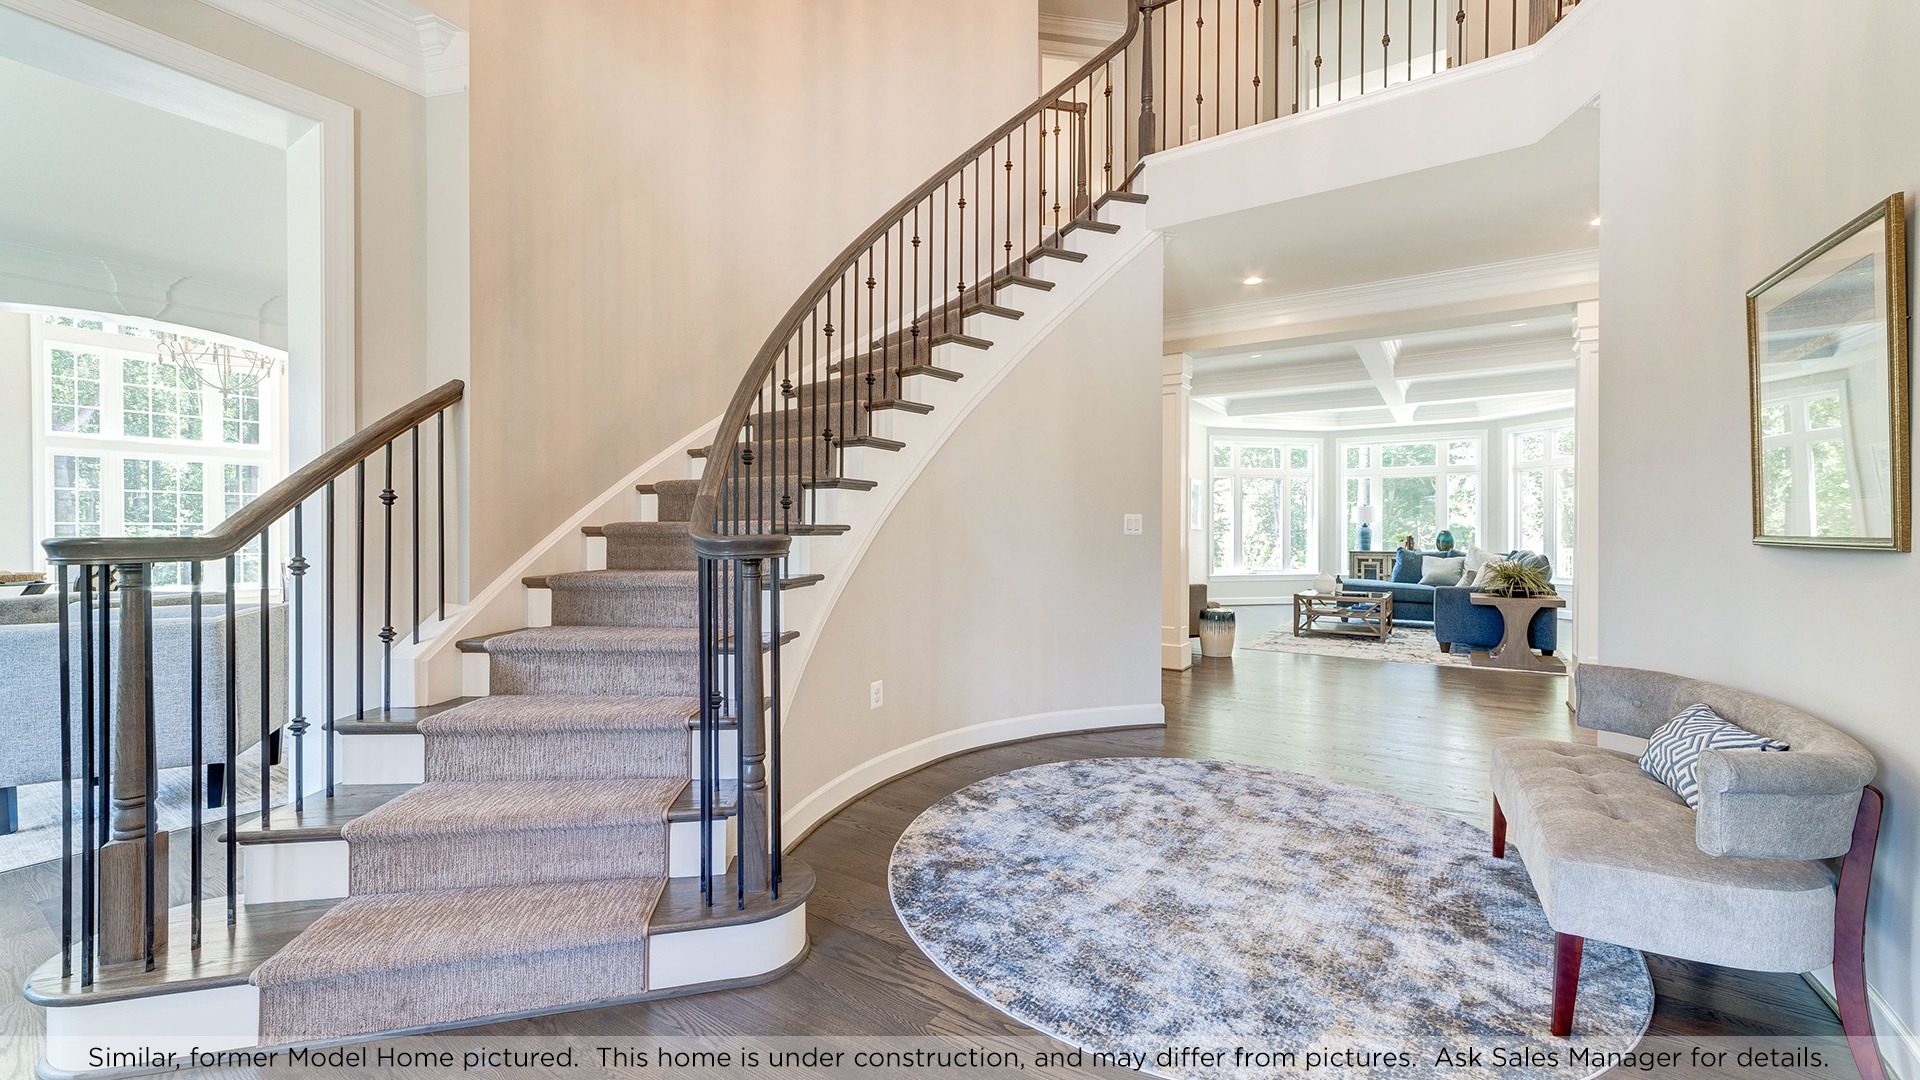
(654, 184)
(1002, 585)
(1733, 138)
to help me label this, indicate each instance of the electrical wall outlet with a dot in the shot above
(874, 695)
(1131, 525)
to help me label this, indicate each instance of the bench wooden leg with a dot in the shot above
(1499, 831)
(1566, 980)
(1850, 938)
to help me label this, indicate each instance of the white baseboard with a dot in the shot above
(857, 781)
(1899, 1047)
(218, 1018)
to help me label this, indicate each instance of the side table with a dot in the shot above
(1513, 653)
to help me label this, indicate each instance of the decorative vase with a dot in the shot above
(1444, 541)
(1216, 632)
(1325, 583)
(1366, 537)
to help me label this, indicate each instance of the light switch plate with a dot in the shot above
(1131, 525)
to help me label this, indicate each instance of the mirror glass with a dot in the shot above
(1829, 358)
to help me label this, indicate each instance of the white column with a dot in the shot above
(1176, 393)
(1586, 529)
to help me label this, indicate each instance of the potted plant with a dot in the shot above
(1510, 578)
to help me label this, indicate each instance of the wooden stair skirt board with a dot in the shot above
(210, 1001)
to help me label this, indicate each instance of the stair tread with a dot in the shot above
(1049, 252)
(1091, 224)
(623, 580)
(1024, 281)
(514, 713)
(583, 639)
(900, 405)
(467, 807)
(873, 442)
(840, 483)
(1120, 196)
(682, 907)
(686, 805)
(640, 528)
(801, 581)
(320, 819)
(387, 932)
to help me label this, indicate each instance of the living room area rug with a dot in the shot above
(1405, 645)
(1129, 905)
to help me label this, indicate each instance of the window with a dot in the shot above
(1417, 487)
(1263, 507)
(131, 446)
(1543, 494)
(1804, 469)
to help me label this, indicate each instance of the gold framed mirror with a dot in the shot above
(1827, 356)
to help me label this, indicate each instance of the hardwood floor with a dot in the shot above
(1418, 731)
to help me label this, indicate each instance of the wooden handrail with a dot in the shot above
(706, 539)
(239, 530)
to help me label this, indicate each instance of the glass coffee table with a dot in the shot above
(1343, 614)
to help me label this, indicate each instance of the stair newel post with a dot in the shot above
(1146, 78)
(754, 873)
(131, 892)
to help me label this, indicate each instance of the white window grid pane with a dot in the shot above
(73, 391)
(76, 495)
(1260, 478)
(159, 401)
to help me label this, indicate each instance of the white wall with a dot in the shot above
(110, 205)
(1001, 586)
(1732, 139)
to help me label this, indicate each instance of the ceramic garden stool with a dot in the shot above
(1216, 632)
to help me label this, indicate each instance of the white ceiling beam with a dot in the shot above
(395, 40)
(1492, 386)
(1379, 356)
(1312, 375)
(1378, 299)
(1365, 397)
(1474, 359)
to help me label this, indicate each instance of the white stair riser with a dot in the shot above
(725, 952)
(293, 870)
(649, 507)
(380, 759)
(219, 1018)
(593, 555)
(683, 846)
(539, 607)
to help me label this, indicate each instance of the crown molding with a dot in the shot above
(1074, 28)
(1465, 285)
(50, 278)
(394, 40)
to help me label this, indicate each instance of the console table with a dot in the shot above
(1513, 652)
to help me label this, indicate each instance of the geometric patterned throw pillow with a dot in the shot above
(1673, 753)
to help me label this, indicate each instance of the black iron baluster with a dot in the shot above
(297, 570)
(266, 689)
(1299, 69)
(773, 721)
(89, 776)
(196, 717)
(149, 896)
(1363, 44)
(707, 722)
(440, 499)
(106, 703)
(413, 501)
(387, 499)
(327, 643)
(230, 771)
(360, 590)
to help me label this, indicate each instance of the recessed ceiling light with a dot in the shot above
(1256, 356)
(1253, 281)
(1517, 324)
(1595, 222)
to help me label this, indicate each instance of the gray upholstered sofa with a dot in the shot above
(30, 682)
(1617, 856)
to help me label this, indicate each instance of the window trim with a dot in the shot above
(1315, 449)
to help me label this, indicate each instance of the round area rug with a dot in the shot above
(1139, 905)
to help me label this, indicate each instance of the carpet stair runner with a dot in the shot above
(523, 874)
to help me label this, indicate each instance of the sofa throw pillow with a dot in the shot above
(1673, 753)
(1409, 565)
(1435, 570)
(1485, 574)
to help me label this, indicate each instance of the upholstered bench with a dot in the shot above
(1617, 856)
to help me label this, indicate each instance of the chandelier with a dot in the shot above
(216, 364)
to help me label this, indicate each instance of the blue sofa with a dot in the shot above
(1412, 601)
(1458, 621)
